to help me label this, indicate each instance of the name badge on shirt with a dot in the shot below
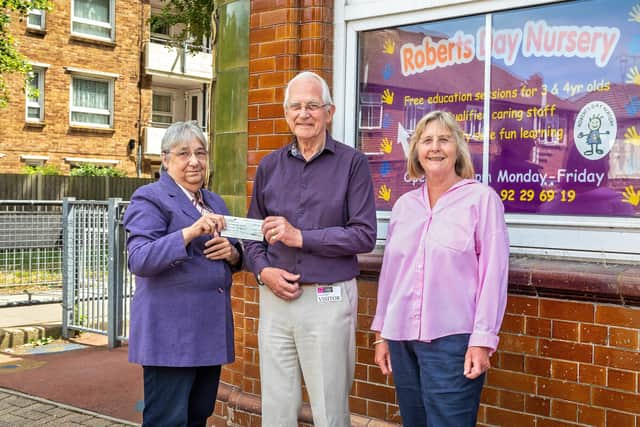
(329, 293)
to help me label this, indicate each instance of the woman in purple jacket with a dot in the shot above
(181, 322)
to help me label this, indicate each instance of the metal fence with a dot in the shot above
(31, 244)
(97, 287)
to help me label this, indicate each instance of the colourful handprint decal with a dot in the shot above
(387, 97)
(634, 15)
(633, 76)
(631, 196)
(384, 193)
(386, 146)
(631, 136)
(389, 47)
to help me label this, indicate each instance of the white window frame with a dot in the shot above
(98, 76)
(39, 102)
(580, 237)
(108, 25)
(43, 14)
(172, 114)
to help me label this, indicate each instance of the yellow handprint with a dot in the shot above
(389, 47)
(387, 97)
(384, 193)
(634, 15)
(633, 76)
(631, 196)
(386, 146)
(631, 136)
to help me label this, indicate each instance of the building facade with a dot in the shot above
(107, 88)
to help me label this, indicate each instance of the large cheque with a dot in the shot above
(242, 228)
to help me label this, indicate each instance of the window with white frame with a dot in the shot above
(93, 18)
(91, 101)
(561, 143)
(36, 19)
(35, 95)
(162, 108)
(370, 111)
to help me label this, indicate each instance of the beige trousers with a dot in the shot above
(317, 338)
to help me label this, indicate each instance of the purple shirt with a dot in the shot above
(445, 269)
(329, 198)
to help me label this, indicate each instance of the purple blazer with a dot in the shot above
(181, 311)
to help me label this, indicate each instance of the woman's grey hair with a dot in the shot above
(326, 94)
(464, 164)
(178, 133)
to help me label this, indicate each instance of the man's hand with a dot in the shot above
(476, 362)
(278, 229)
(382, 358)
(282, 283)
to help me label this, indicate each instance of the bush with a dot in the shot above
(41, 170)
(93, 170)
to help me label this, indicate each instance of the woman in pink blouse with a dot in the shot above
(443, 284)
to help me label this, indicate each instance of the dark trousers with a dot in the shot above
(430, 384)
(179, 397)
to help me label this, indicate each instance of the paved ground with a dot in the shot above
(19, 409)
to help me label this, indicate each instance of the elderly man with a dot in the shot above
(316, 198)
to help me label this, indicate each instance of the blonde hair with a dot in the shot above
(464, 165)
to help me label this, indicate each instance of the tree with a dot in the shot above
(11, 61)
(195, 17)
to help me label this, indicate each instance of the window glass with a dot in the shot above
(162, 109)
(35, 19)
(92, 17)
(90, 103)
(564, 103)
(405, 72)
(35, 95)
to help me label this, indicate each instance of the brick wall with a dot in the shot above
(59, 49)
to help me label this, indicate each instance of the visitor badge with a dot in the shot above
(329, 293)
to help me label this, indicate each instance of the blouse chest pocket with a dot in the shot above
(456, 234)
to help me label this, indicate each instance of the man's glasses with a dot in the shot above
(310, 107)
(185, 155)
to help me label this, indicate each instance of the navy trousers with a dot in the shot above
(430, 384)
(179, 397)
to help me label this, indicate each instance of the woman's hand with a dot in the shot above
(221, 248)
(382, 358)
(476, 362)
(207, 224)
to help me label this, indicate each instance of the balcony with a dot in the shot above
(163, 60)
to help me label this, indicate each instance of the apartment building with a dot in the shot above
(107, 88)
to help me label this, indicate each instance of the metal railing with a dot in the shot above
(97, 287)
(31, 244)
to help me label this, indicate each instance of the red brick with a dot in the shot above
(591, 416)
(627, 338)
(564, 410)
(537, 366)
(566, 350)
(626, 317)
(261, 65)
(546, 422)
(265, 95)
(564, 390)
(511, 380)
(266, 111)
(511, 400)
(627, 402)
(538, 327)
(564, 330)
(490, 396)
(287, 31)
(272, 142)
(261, 35)
(513, 324)
(564, 370)
(590, 333)
(375, 391)
(537, 405)
(501, 417)
(592, 374)
(623, 380)
(567, 310)
(376, 409)
(522, 305)
(518, 344)
(619, 419)
(511, 362)
(622, 359)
